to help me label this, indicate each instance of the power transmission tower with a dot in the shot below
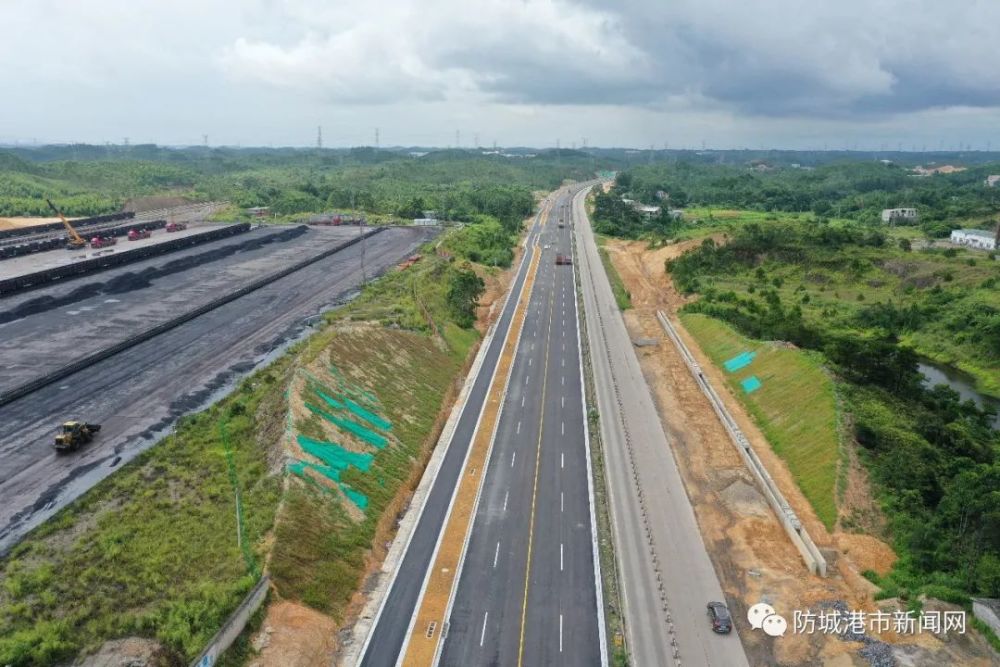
(475, 139)
(376, 138)
(319, 136)
(204, 140)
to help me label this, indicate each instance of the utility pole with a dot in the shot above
(458, 138)
(376, 138)
(319, 136)
(204, 140)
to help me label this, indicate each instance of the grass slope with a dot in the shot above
(795, 406)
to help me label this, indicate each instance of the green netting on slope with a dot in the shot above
(371, 437)
(332, 402)
(370, 417)
(346, 386)
(358, 498)
(334, 455)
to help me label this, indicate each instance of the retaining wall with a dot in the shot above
(786, 515)
(234, 625)
(101, 355)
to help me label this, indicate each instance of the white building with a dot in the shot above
(648, 211)
(975, 238)
(426, 222)
(894, 215)
(992, 181)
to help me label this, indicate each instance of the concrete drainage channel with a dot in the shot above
(786, 515)
(100, 355)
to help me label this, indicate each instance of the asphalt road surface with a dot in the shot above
(138, 394)
(385, 641)
(656, 535)
(528, 587)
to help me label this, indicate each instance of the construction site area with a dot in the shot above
(751, 553)
(135, 343)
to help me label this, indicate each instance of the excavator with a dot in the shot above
(75, 241)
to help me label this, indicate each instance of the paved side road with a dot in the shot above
(666, 572)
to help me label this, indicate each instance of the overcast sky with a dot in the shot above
(729, 73)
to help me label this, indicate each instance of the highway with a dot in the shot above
(139, 393)
(534, 506)
(528, 588)
(666, 574)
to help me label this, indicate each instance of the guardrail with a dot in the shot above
(786, 515)
(101, 355)
(233, 626)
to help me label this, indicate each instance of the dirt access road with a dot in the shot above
(752, 555)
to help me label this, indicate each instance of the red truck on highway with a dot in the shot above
(136, 234)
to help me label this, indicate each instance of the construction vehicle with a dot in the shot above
(136, 234)
(74, 434)
(103, 241)
(176, 226)
(563, 259)
(75, 241)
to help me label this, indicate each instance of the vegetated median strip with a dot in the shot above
(101, 355)
(443, 572)
(610, 572)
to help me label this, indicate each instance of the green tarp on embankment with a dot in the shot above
(334, 455)
(371, 437)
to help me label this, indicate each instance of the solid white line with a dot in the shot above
(560, 633)
(524, 265)
(505, 496)
(560, 556)
(512, 457)
(601, 630)
(496, 555)
(482, 635)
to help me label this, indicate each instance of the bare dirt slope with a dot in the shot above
(752, 554)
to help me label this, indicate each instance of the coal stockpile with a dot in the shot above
(12, 234)
(127, 282)
(91, 359)
(28, 281)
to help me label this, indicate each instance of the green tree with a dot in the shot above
(464, 289)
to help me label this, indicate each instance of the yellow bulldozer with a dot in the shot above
(74, 434)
